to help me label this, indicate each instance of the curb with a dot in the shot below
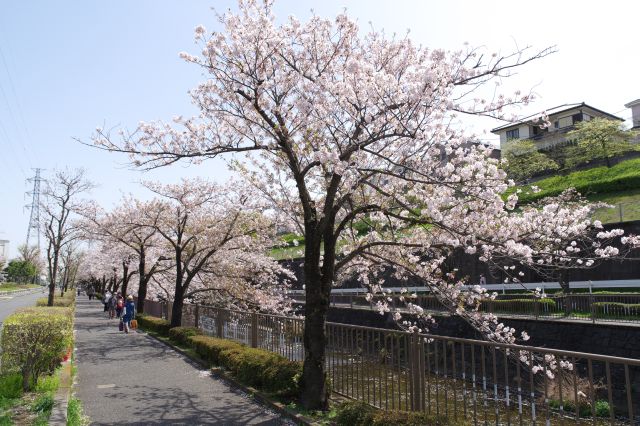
(61, 400)
(18, 292)
(256, 394)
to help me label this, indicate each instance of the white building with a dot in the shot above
(4, 249)
(562, 118)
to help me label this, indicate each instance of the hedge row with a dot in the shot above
(520, 305)
(357, 413)
(34, 340)
(182, 334)
(262, 369)
(157, 325)
(255, 367)
(615, 308)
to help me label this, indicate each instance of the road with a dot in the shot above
(134, 379)
(8, 304)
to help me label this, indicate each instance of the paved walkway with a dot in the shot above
(135, 380)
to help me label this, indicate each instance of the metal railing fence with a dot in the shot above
(622, 307)
(471, 381)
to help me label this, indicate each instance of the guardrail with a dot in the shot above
(504, 287)
(471, 381)
(622, 307)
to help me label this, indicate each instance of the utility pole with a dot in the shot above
(33, 231)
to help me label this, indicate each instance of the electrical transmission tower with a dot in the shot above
(33, 231)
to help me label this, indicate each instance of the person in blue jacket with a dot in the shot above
(128, 313)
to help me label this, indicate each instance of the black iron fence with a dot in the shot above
(472, 381)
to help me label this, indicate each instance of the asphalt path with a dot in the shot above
(133, 379)
(8, 304)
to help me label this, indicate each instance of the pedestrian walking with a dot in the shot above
(119, 305)
(128, 313)
(90, 293)
(113, 302)
(105, 300)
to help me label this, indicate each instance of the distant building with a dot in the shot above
(635, 113)
(4, 249)
(563, 119)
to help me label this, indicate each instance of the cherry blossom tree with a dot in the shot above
(71, 259)
(340, 126)
(122, 225)
(217, 239)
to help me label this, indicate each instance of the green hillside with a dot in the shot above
(622, 177)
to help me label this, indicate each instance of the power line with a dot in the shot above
(15, 125)
(17, 162)
(17, 101)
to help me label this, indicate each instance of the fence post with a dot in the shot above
(536, 307)
(620, 210)
(196, 317)
(592, 308)
(219, 325)
(416, 373)
(254, 330)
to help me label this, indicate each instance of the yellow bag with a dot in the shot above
(134, 324)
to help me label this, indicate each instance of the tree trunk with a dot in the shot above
(125, 279)
(176, 310)
(563, 280)
(314, 392)
(142, 283)
(53, 272)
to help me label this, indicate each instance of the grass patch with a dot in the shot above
(16, 286)
(32, 408)
(75, 413)
(627, 201)
(598, 180)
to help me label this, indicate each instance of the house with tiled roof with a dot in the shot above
(562, 118)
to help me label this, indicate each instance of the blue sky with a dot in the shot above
(67, 67)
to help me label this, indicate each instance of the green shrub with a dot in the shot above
(602, 408)
(255, 367)
(42, 404)
(519, 305)
(262, 369)
(182, 334)
(357, 413)
(155, 324)
(617, 309)
(209, 348)
(34, 341)
(48, 383)
(570, 407)
(11, 386)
